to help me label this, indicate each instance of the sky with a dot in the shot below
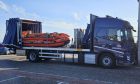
(65, 15)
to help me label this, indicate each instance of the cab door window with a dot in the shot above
(113, 34)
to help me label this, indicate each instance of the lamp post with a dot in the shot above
(139, 33)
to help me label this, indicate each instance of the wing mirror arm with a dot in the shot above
(134, 30)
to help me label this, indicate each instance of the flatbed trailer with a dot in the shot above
(34, 53)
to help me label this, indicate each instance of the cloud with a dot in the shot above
(19, 10)
(87, 18)
(3, 6)
(76, 16)
(48, 24)
(54, 24)
(59, 24)
(24, 13)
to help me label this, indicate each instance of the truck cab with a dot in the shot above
(112, 41)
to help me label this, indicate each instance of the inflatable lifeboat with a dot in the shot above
(45, 39)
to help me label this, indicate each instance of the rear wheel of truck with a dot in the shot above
(33, 56)
(107, 60)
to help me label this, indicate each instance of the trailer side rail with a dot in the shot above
(57, 49)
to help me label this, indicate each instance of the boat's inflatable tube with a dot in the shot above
(45, 39)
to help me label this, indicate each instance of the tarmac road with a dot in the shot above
(17, 67)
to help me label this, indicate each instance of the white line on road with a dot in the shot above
(11, 79)
(8, 69)
(43, 74)
(137, 67)
(108, 82)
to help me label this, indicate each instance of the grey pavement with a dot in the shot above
(119, 75)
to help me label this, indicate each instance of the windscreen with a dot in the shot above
(129, 35)
(128, 32)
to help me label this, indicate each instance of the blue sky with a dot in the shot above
(65, 15)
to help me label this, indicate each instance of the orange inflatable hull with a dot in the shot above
(45, 40)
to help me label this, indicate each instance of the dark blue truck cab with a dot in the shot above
(112, 41)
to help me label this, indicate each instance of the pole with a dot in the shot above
(139, 33)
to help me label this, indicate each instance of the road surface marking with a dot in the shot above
(108, 82)
(105, 82)
(137, 67)
(58, 82)
(8, 69)
(11, 79)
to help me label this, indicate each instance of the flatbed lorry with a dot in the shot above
(107, 41)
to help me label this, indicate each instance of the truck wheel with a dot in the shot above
(33, 56)
(107, 60)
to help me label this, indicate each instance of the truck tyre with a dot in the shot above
(33, 56)
(107, 60)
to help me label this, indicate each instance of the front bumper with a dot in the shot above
(126, 59)
(120, 62)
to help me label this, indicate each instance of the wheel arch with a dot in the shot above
(104, 52)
